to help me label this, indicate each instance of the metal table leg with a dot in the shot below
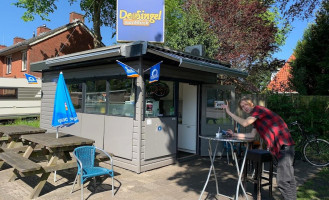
(212, 168)
(240, 172)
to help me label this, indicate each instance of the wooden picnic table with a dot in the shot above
(14, 133)
(55, 149)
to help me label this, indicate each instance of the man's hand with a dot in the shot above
(229, 132)
(226, 107)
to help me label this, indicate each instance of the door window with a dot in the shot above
(214, 113)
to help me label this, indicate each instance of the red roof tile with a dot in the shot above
(280, 83)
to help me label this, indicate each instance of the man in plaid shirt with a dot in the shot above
(274, 131)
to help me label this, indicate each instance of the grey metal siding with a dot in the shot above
(29, 94)
(160, 137)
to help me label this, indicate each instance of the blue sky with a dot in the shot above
(13, 26)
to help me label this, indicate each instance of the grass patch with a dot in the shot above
(28, 122)
(315, 188)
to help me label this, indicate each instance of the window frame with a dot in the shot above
(15, 96)
(174, 93)
(9, 65)
(84, 81)
(24, 61)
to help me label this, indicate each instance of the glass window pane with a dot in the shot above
(8, 93)
(8, 65)
(24, 58)
(76, 95)
(96, 97)
(214, 113)
(159, 99)
(122, 97)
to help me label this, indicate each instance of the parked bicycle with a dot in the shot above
(313, 149)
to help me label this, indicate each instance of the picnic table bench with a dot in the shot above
(19, 162)
(11, 137)
(57, 150)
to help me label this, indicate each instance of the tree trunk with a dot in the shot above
(97, 23)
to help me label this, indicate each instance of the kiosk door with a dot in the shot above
(212, 115)
(187, 122)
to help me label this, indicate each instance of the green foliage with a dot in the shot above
(185, 27)
(28, 122)
(315, 188)
(308, 110)
(100, 12)
(33, 7)
(310, 69)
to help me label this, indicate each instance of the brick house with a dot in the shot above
(18, 99)
(73, 37)
(280, 82)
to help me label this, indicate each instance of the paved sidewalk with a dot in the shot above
(181, 181)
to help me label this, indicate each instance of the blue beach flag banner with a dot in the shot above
(31, 79)
(155, 73)
(64, 113)
(131, 73)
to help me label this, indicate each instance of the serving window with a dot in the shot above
(159, 99)
(108, 97)
(122, 97)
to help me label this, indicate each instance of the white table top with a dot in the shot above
(227, 138)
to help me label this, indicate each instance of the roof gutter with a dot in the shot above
(89, 55)
(212, 68)
(9, 51)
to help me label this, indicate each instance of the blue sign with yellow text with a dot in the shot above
(140, 20)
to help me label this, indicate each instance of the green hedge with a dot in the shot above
(311, 111)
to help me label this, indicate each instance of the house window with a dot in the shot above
(24, 61)
(8, 93)
(8, 65)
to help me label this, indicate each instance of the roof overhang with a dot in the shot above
(9, 51)
(200, 65)
(135, 49)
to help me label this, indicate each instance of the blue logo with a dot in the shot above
(159, 128)
(155, 73)
(31, 79)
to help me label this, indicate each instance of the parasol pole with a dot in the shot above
(56, 137)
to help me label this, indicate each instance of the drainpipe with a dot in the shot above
(140, 100)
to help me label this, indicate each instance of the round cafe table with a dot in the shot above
(231, 140)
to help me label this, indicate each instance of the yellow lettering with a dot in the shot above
(159, 15)
(152, 18)
(140, 15)
(123, 14)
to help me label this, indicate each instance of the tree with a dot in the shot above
(302, 9)
(100, 12)
(185, 27)
(310, 69)
(246, 30)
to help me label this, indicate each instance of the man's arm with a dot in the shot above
(243, 122)
(252, 134)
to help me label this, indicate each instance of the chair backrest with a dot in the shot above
(86, 155)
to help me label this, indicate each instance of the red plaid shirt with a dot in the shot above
(272, 129)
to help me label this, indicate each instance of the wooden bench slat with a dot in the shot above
(19, 162)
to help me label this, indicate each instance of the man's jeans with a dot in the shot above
(285, 173)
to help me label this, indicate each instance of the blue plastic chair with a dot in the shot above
(85, 157)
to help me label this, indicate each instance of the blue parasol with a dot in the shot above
(64, 113)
